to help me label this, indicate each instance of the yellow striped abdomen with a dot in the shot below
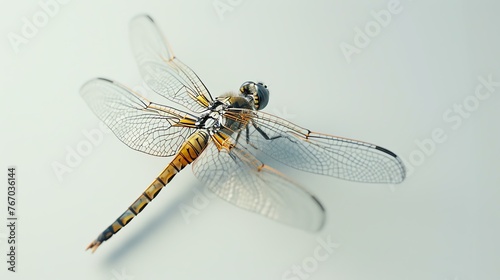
(188, 152)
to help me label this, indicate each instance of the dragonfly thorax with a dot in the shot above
(212, 118)
(215, 119)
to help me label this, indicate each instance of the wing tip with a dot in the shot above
(322, 209)
(104, 79)
(402, 169)
(84, 87)
(143, 17)
(149, 17)
(386, 151)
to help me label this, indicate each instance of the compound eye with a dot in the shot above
(248, 88)
(262, 96)
(259, 93)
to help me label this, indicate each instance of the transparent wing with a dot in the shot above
(319, 153)
(162, 71)
(140, 124)
(239, 178)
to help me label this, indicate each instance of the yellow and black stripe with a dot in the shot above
(188, 152)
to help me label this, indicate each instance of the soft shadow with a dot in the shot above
(169, 211)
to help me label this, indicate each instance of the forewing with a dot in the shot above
(162, 71)
(239, 178)
(137, 122)
(321, 153)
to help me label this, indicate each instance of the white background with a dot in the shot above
(441, 223)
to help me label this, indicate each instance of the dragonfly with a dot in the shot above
(225, 139)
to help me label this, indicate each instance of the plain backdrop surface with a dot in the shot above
(413, 82)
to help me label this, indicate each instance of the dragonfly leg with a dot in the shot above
(247, 137)
(264, 134)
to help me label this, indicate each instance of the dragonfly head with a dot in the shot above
(258, 92)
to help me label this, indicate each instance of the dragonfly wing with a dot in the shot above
(162, 71)
(239, 178)
(140, 124)
(320, 153)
